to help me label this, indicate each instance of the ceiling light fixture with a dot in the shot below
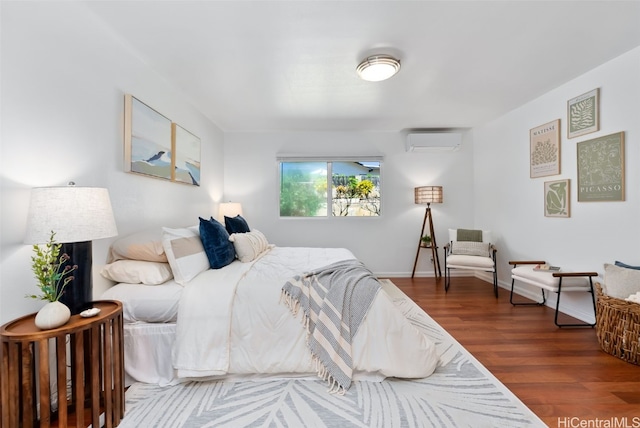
(378, 67)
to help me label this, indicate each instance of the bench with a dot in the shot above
(553, 281)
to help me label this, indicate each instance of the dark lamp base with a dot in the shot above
(78, 294)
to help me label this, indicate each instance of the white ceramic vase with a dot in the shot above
(52, 315)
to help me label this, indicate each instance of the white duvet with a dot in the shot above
(231, 322)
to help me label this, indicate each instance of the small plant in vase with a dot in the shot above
(425, 241)
(46, 264)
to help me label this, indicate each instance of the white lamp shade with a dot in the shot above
(428, 194)
(75, 214)
(229, 209)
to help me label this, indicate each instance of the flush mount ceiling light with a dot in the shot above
(378, 67)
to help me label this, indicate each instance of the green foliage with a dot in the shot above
(46, 264)
(299, 197)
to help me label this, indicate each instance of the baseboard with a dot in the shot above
(576, 308)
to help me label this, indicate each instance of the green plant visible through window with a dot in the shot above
(354, 188)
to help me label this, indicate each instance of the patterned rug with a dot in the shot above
(461, 393)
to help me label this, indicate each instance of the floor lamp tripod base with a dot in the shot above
(433, 246)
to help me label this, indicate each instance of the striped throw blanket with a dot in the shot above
(334, 301)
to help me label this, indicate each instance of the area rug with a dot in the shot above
(461, 393)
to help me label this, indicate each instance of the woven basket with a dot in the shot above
(618, 327)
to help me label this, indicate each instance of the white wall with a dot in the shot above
(64, 76)
(511, 203)
(387, 245)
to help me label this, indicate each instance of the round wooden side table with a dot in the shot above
(83, 360)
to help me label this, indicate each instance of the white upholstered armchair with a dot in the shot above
(470, 250)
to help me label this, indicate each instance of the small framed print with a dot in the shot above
(583, 114)
(147, 140)
(601, 168)
(557, 198)
(186, 150)
(544, 149)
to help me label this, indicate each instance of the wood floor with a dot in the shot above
(562, 375)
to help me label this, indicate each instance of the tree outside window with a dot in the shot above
(355, 188)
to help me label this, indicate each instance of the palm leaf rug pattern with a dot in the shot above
(460, 393)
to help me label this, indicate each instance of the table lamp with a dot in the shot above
(77, 215)
(229, 209)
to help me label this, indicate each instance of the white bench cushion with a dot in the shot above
(460, 261)
(546, 280)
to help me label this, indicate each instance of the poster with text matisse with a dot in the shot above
(147, 140)
(187, 156)
(544, 149)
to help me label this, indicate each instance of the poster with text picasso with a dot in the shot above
(601, 168)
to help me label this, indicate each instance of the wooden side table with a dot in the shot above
(32, 359)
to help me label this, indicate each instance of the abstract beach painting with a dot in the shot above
(187, 156)
(156, 147)
(147, 140)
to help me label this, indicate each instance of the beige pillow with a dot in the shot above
(620, 282)
(137, 272)
(249, 245)
(144, 245)
(471, 248)
(185, 253)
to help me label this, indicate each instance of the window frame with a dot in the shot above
(329, 160)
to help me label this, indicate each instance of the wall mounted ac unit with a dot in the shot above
(433, 141)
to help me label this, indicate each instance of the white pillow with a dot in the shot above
(249, 245)
(137, 272)
(470, 248)
(185, 253)
(145, 245)
(620, 282)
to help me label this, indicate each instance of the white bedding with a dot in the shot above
(147, 303)
(261, 337)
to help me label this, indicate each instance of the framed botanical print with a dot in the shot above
(583, 114)
(601, 168)
(557, 198)
(544, 149)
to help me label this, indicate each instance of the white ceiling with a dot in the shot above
(290, 65)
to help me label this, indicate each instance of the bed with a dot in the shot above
(185, 320)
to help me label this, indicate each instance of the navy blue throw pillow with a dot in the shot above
(236, 224)
(215, 241)
(626, 266)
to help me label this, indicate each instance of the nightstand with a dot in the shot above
(84, 358)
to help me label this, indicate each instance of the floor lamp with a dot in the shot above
(77, 215)
(428, 195)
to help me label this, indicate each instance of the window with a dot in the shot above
(338, 188)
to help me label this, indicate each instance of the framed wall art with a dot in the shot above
(557, 198)
(156, 147)
(147, 140)
(186, 147)
(583, 114)
(544, 149)
(601, 168)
